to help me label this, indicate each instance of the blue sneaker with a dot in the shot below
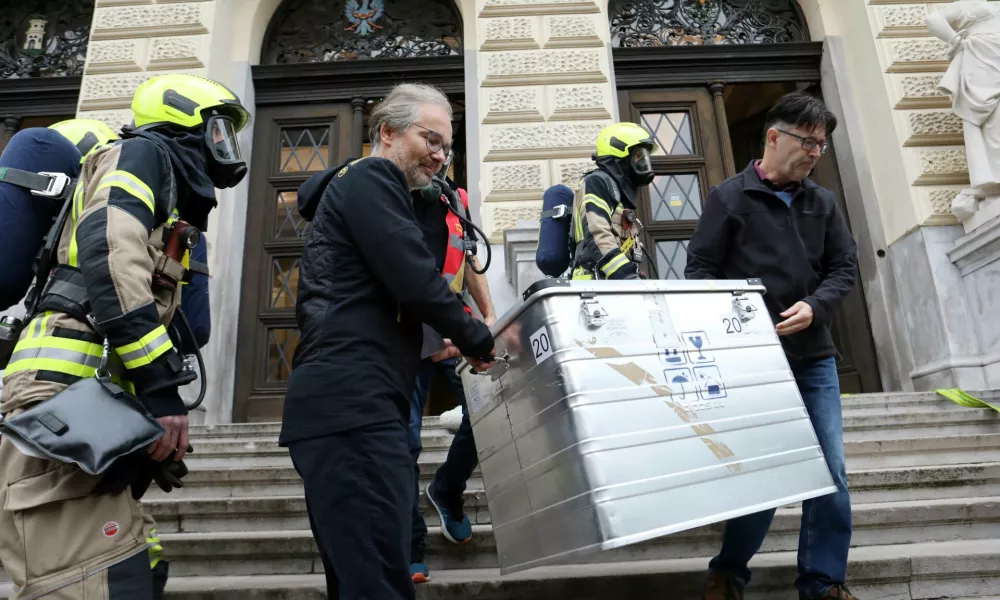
(419, 572)
(455, 525)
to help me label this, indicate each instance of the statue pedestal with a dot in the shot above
(988, 209)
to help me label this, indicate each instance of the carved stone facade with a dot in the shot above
(931, 135)
(544, 81)
(135, 40)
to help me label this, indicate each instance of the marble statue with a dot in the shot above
(972, 29)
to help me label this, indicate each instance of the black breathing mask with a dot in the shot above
(226, 167)
(640, 167)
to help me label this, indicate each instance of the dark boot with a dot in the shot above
(160, 572)
(722, 586)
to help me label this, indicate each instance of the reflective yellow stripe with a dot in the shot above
(58, 343)
(614, 264)
(124, 180)
(580, 273)
(598, 202)
(628, 245)
(51, 364)
(155, 549)
(77, 209)
(146, 350)
(578, 224)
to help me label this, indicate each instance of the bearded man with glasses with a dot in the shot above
(771, 222)
(367, 283)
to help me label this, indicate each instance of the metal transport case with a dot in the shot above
(626, 411)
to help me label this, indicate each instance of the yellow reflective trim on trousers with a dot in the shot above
(128, 182)
(146, 350)
(614, 264)
(77, 209)
(581, 274)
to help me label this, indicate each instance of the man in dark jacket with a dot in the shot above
(773, 223)
(367, 282)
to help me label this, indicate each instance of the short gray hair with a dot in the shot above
(401, 108)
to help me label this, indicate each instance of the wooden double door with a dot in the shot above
(698, 148)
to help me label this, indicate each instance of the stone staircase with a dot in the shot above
(924, 474)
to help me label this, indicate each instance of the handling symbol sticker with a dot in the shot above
(695, 341)
(710, 385)
(681, 383)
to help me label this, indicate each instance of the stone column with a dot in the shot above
(545, 92)
(10, 127)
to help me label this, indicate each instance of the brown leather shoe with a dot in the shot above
(722, 586)
(837, 592)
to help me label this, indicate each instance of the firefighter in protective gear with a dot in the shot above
(65, 534)
(605, 228)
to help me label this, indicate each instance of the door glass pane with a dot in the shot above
(675, 197)
(281, 343)
(284, 281)
(671, 258)
(288, 223)
(304, 149)
(672, 132)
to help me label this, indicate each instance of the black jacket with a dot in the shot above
(803, 252)
(366, 283)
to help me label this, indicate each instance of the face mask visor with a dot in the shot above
(220, 136)
(641, 165)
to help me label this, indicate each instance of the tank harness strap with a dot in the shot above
(50, 185)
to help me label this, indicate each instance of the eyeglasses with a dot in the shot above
(808, 144)
(435, 142)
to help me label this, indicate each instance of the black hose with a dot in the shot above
(201, 361)
(454, 200)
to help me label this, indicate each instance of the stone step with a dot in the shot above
(853, 406)
(861, 454)
(909, 400)
(954, 570)
(922, 451)
(268, 513)
(292, 551)
(879, 485)
(936, 422)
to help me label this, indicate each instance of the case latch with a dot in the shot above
(595, 313)
(743, 308)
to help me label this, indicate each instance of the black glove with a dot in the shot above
(138, 470)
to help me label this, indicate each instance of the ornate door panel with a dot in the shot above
(688, 162)
(290, 145)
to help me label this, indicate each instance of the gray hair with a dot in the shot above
(401, 108)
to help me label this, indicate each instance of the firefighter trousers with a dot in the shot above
(58, 541)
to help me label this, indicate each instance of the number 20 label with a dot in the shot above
(541, 345)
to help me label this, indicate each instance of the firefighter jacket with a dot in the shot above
(110, 260)
(602, 234)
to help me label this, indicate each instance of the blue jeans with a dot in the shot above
(451, 477)
(825, 534)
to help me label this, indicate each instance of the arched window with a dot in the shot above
(44, 38)
(324, 30)
(638, 23)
